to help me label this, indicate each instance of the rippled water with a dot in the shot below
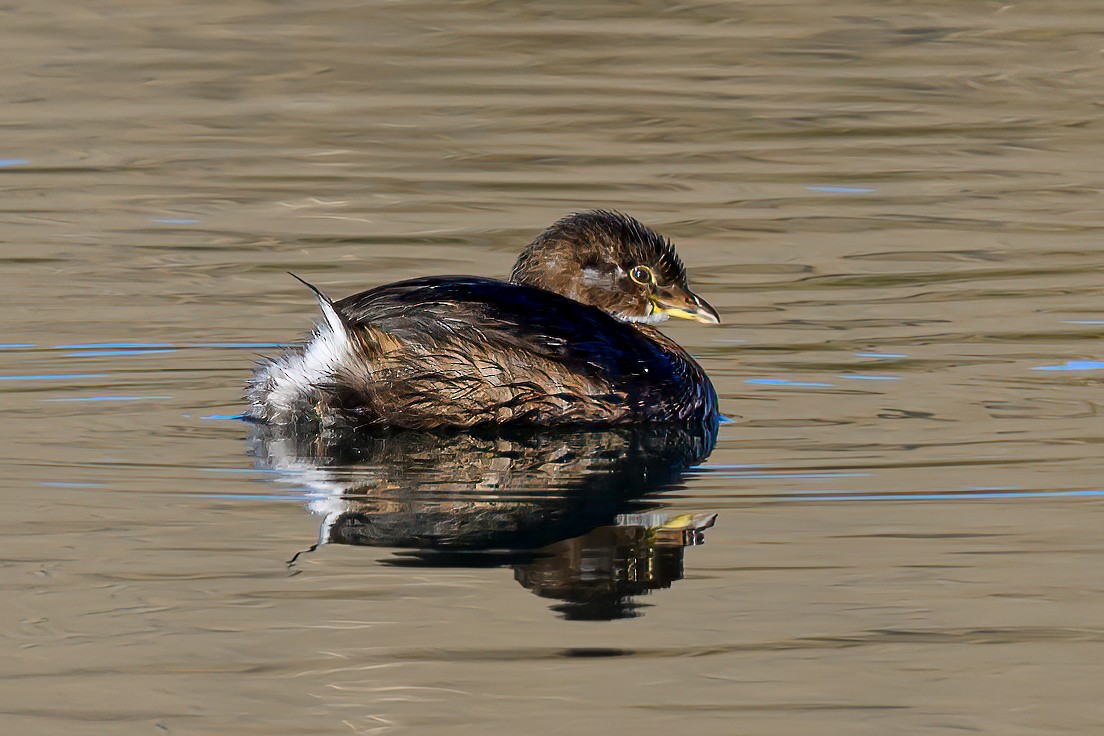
(894, 206)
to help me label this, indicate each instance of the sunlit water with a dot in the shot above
(895, 207)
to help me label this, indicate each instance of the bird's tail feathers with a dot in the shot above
(337, 323)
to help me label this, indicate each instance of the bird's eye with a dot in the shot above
(642, 275)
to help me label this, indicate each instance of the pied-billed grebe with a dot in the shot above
(568, 340)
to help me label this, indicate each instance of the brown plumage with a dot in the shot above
(568, 340)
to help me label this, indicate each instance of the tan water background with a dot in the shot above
(895, 206)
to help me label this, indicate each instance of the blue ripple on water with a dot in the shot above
(1073, 365)
(9, 162)
(784, 382)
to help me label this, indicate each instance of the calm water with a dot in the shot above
(895, 207)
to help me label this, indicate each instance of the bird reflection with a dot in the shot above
(571, 511)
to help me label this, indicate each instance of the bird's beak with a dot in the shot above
(675, 301)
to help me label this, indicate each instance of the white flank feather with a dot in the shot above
(290, 380)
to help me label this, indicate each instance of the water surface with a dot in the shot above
(895, 207)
